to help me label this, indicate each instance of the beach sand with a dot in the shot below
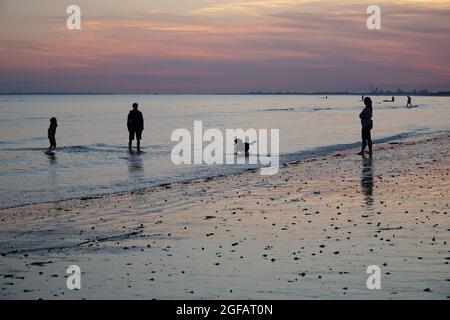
(308, 232)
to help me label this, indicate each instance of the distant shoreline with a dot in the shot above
(416, 94)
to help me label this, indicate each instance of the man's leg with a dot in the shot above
(138, 139)
(130, 139)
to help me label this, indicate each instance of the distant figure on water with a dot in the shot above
(242, 146)
(52, 133)
(392, 100)
(366, 124)
(135, 124)
(408, 103)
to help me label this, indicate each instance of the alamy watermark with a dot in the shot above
(238, 146)
(374, 20)
(374, 280)
(73, 281)
(73, 22)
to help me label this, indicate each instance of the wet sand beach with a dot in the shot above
(308, 232)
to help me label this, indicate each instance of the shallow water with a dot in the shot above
(92, 155)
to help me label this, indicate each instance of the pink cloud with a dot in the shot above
(306, 48)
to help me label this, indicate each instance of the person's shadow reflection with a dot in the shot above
(135, 164)
(52, 160)
(367, 181)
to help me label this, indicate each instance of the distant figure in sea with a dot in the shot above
(135, 124)
(366, 124)
(242, 146)
(52, 133)
(392, 100)
(408, 103)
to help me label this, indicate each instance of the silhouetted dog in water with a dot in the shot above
(241, 146)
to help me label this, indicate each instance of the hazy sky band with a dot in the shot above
(223, 46)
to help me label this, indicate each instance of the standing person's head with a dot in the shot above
(135, 106)
(368, 102)
(53, 122)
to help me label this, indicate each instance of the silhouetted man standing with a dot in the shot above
(135, 126)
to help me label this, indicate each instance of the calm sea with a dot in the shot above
(92, 155)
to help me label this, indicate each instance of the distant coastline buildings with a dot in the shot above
(373, 91)
(403, 92)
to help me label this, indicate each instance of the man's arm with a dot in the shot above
(141, 120)
(128, 121)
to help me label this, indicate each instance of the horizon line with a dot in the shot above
(423, 92)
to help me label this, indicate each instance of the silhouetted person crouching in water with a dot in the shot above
(366, 124)
(135, 124)
(52, 133)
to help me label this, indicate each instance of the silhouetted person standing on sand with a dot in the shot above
(135, 124)
(51, 133)
(366, 124)
(408, 103)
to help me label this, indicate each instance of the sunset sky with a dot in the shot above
(193, 46)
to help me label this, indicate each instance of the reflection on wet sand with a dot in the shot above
(135, 164)
(52, 159)
(367, 181)
(188, 233)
